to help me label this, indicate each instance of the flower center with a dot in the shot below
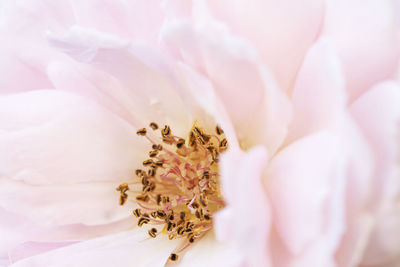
(178, 188)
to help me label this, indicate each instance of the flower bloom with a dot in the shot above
(271, 133)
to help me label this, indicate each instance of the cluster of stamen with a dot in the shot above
(178, 187)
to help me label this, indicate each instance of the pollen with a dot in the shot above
(177, 189)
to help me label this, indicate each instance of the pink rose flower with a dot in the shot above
(306, 93)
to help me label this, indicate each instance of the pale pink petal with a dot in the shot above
(21, 69)
(208, 251)
(378, 114)
(139, 71)
(355, 240)
(86, 203)
(242, 82)
(18, 229)
(384, 243)
(126, 249)
(319, 96)
(366, 38)
(305, 182)
(245, 222)
(281, 31)
(96, 85)
(139, 20)
(50, 136)
(30, 249)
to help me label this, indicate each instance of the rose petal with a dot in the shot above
(273, 28)
(145, 86)
(17, 229)
(30, 249)
(319, 96)
(238, 76)
(305, 182)
(123, 249)
(86, 203)
(365, 36)
(378, 114)
(50, 136)
(18, 61)
(246, 219)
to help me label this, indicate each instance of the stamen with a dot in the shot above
(179, 186)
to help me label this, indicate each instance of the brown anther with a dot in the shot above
(171, 236)
(173, 257)
(161, 214)
(153, 232)
(206, 174)
(189, 225)
(180, 230)
(137, 213)
(142, 221)
(165, 199)
(153, 214)
(148, 188)
(151, 172)
(182, 215)
(180, 143)
(139, 172)
(223, 144)
(148, 162)
(145, 180)
(123, 187)
(170, 217)
(166, 131)
(195, 205)
(153, 126)
(153, 153)
(122, 198)
(158, 198)
(142, 132)
(191, 239)
(157, 147)
(203, 201)
(207, 217)
(143, 198)
(170, 226)
(218, 130)
(159, 163)
(167, 141)
(192, 139)
(197, 213)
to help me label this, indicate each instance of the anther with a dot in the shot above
(122, 199)
(139, 172)
(151, 172)
(159, 163)
(166, 131)
(153, 153)
(143, 198)
(180, 143)
(218, 130)
(173, 257)
(153, 232)
(153, 126)
(157, 147)
(142, 221)
(137, 213)
(142, 132)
